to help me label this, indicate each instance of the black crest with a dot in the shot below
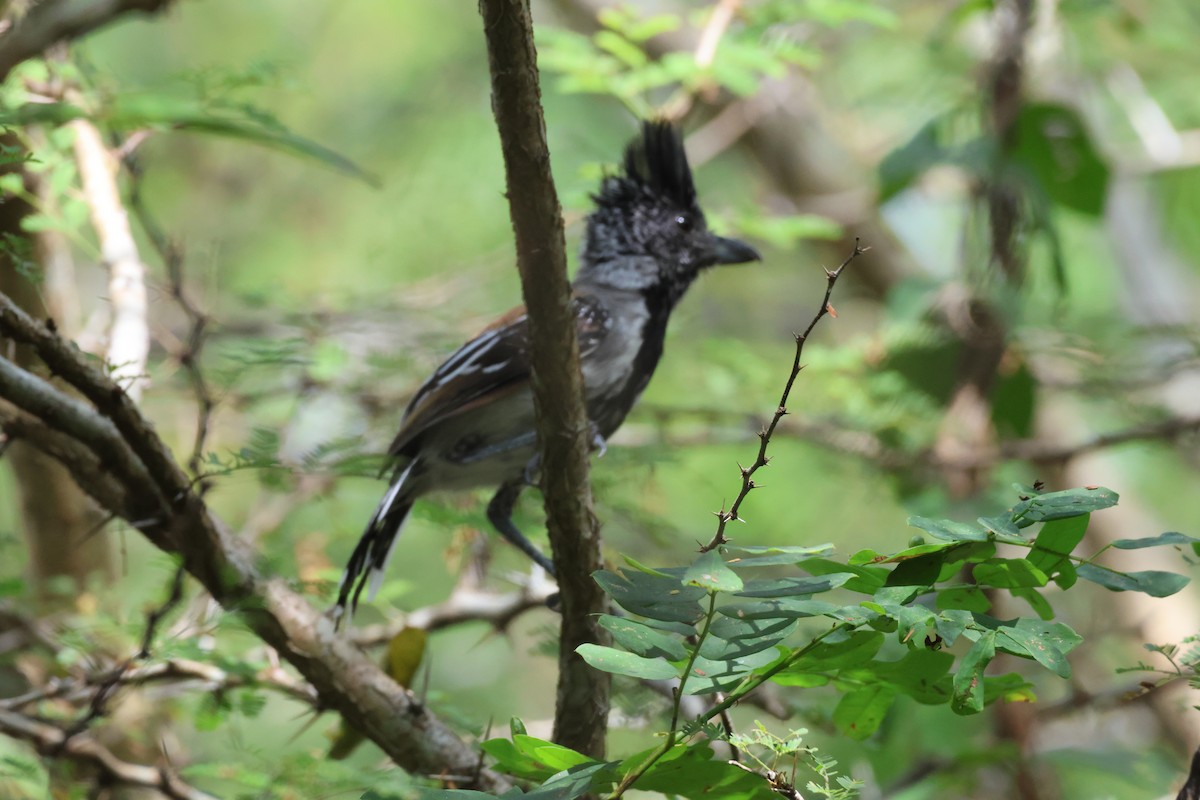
(655, 164)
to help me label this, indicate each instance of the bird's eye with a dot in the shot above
(684, 221)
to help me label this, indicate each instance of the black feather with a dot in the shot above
(658, 161)
(655, 166)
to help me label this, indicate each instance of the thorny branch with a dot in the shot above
(764, 436)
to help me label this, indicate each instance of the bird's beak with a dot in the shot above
(731, 251)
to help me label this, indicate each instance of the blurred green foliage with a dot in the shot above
(333, 297)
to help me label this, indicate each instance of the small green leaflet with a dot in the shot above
(620, 662)
(710, 572)
(1151, 582)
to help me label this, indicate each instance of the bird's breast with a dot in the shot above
(617, 372)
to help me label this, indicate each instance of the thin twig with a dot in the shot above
(171, 255)
(49, 740)
(764, 436)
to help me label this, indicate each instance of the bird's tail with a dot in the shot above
(370, 558)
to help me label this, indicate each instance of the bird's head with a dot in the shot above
(648, 231)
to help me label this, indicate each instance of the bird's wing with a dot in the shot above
(489, 366)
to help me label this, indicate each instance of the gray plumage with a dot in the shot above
(471, 423)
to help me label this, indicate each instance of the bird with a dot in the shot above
(471, 424)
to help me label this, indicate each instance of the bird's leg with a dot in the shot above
(499, 513)
(598, 442)
(530, 476)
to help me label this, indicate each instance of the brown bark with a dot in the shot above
(58, 522)
(581, 715)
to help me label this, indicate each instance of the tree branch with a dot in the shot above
(53, 21)
(51, 741)
(581, 713)
(129, 334)
(161, 503)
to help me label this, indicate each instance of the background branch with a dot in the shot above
(175, 518)
(51, 741)
(54, 21)
(129, 333)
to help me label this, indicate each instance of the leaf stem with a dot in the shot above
(673, 731)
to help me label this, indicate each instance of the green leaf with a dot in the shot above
(912, 621)
(514, 762)
(857, 648)
(968, 680)
(920, 571)
(951, 623)
(1009, 573)
(922, 674)
(1045, 642)
(692, 772)
(1151, 582)
(640, 567)
(872, 557)
(967, 598)
(1064, 504)
(1038, 603)
(710, 572)
(645, 29)
(553, 756)
(902, 166)
(780, 608)
(573, 782)
(731, 638)
(860, 712)
(774, 556)
(619, 662)
(652, 596)
(791, 587)
(1003, 527)
(624, 50)
(1014, 400)
(1055, 543)
(949, 530)
(1155, 541)
(867, 580)
(710, 675)
(643, 640)
(1053, 144)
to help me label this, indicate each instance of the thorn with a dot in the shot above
(744, 470)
